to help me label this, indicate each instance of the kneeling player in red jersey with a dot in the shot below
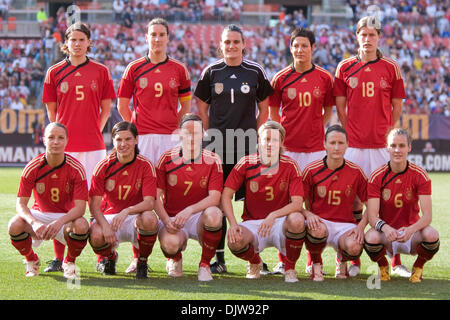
(331, 186)
(190, 182)
(274, 197)
(395, 192)
(58, 183)
(122, 197)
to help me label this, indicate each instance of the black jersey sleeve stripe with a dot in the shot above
(299, 77)
(121, 167)
(393, 177)
(152, 68)
(63, 68)
(50, 171)
(181, 91)
(75, 69)
(362, 67)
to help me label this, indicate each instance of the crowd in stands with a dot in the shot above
(415, 33)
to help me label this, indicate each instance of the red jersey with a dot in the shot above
(123, 185)
(78, 92)
(331, 193)
(185, 184)
(399, 193)
(302, 97)
(267, 188)
(369, 88)
(155, 89)
(54, 189)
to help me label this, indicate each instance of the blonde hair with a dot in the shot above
(370, 22)
(270, 124)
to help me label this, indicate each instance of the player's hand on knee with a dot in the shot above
(182, 217)
(313, 221)
(52, 230)
(170, 227)
(119, 219)
(266, 226)
(404, 233)
(390, 233)
(109, 234)
(234, 234)
(39, 229)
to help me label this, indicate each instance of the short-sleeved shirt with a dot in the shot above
(123, 185)
(399, 193)
(369, 89)
(186, 183)
(267, 188)
(331, 193)
(233, 93)
(302, 98)
(156, 90)
(78, 92)
(54, 188)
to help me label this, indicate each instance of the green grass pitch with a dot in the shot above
(231, 286)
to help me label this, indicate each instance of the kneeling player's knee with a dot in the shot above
(320, 232)
(353, 248)
(147, 221)
(295, 222)
(372, 236)
(96, 235)
(170, 244)
(212, 217)
(80, 226)
(430, 234)
(16, 225)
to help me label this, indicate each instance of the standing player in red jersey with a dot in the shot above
(369, 94)
(331, 186)
(274, 198)
(397, 191)
(77, 93)
(157, 84)
(304, 92)
(58, 183)
(190, 183)
(122, 196)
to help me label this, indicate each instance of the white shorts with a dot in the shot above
(335, 231)
(89, 161)
(152, 146)
(47, 218)
(400, 247)
(305, 158)
(190, 227)
(276, 238)
(368, 159)
(127, 231)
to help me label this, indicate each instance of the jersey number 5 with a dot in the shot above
(79, 93)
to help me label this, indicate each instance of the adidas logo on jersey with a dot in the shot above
(367, 69)
(233, 76)
(157, 71)
(78, 74)
(54, 176)
(125, 173)
(188, 169)
(398, 181)
(304, 80)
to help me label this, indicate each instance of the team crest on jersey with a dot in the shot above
(316, 92)
(292, 93)
(110, 184)
(138, 184)
(348, 191)
(245, 88)
(322, 191)
(143, 83)
(40, 187)
(383, 83)
(283, 185)
(172, 179)
(69, 187)
(408, 194)
(386, 194)
(173, 83)
(94, 85)
(218, 87)
(254, 187)
(203, 182)
(64, 86)
(353, 82)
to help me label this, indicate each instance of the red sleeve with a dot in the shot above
(126, 86)
(185, 83)
(296, 182)
(329, 97)
(108, 86)
(373, 189)
(424, 186)
(149, 181)
(339, 88)
(97, 184)
(362, 188)
(398, 89)
(25, 187)
(307, 187)
(236, 176)
(80, 187)
(161, 174)
(275, 97)
(216, 177)
(49, 93)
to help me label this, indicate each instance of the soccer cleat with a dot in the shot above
(32, 268)
(401, 271)
(341, 270)
(254, 270)
(290, 276)
(317, 274)
(308, 270)
(141, 269)
(174, 268)
(218, 267)
(354, 270)
(265, 270)
(204, 273)
(383, 272)
(416, 275)
(69, 270)
(109, 266)
(54, 266)
(132, 268)
(279, 268)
